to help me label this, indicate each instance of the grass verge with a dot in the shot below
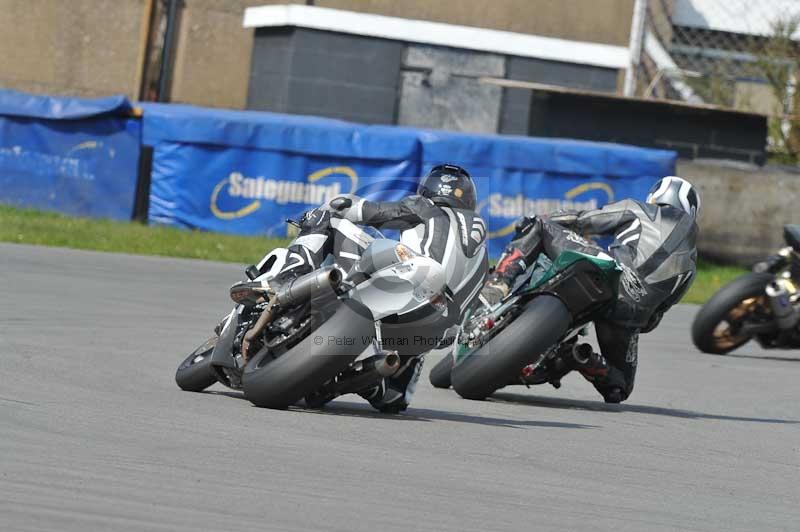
(710, 278)
(25, 226)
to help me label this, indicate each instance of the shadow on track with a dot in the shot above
(772, 358)
(363, 410)
(598, 406)
(226, 393)
(344, 408)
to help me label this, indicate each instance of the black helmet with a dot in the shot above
(451, 185)
(675, 191)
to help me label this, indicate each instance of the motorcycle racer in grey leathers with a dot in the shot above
(654, 245)
(439, 222)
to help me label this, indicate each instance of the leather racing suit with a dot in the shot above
(655, 247)
(453, 237)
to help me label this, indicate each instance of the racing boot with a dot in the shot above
(393, 394)
(575, 357)
(499, 283)
(494, 291)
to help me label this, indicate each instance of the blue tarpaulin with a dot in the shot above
(73, 155)
(520, 176)
(245, 172)
(15, 103)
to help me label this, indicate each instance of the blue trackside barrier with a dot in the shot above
(520, 176)
(246, 172)
(73, 155)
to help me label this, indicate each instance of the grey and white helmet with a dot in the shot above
(677, 192)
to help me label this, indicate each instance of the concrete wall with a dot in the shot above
(602, 21)
(212, 55)
(92, 47)
(77, 48)
(270, 70)
(744, 208)
(296, 70)
(321, 73)
(439, 89)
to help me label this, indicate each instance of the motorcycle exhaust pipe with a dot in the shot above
(582, 353)
(305, 287)
(786, 316)
(252, 334)
(299, 290)
(372, 371)
(388, 365)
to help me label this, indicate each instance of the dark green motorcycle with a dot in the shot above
(545, 312)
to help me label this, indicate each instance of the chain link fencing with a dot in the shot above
(739, 54)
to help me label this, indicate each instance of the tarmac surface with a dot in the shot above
(95, 435)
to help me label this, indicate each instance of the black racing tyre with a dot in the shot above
(713, 329)
(281, 382)
(195, 373)
(440, 374)
(543, 322)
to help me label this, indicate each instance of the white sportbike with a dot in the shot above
(337, 330)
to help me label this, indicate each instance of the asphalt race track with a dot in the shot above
(95, 435)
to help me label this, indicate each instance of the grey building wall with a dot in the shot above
(325, 74)
(270, 70)
(439, 89)
(517, 102)
(369, 80)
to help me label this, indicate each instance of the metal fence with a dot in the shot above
(740, 54)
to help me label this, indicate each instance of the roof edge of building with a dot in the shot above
(438, 34)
